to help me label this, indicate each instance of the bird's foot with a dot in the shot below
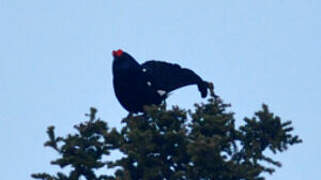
(130, 115)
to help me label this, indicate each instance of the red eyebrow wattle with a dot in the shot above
(119, 52)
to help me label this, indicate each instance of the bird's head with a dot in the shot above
(123, 62)
(118, 53)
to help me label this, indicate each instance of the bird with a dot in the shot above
(149, 83)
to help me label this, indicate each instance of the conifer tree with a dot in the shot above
(174, 144)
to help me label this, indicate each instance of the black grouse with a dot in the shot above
(136, 85)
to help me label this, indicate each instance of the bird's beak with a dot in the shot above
(114, 53)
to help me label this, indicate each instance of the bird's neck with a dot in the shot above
(125, 74)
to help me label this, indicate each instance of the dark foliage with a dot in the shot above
(174, 144)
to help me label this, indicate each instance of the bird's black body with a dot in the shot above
(137, 85)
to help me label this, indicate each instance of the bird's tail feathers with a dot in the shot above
(202, 87)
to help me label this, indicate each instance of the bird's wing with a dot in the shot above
(168, 77)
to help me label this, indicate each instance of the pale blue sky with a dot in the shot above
(55, 62)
